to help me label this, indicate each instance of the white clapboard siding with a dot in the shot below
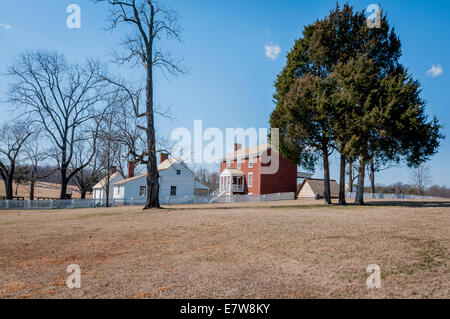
(99, 190)
(184, 183)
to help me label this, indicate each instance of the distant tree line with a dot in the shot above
(421, 185)
(410, 189)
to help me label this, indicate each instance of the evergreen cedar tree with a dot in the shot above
(343, 88)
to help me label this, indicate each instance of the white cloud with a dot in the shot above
(272, 51)
(435, 71)
(6, 26)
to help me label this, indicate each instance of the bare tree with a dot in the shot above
(86, 177)
(421, 177)
(208, 178)
(12, 139)
(374, 166)
(20, 177)
(400, 188)
(108, 142)
(351, 177)
(438, 191)
(151, 21)
(36, 156)
(130, 144)
(64, 99)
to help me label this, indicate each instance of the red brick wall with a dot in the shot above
(245, 169)
(255, 170)
(285, 180)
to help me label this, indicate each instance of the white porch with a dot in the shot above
(232, 181)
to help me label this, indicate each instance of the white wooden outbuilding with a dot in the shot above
(313, 188)
(176, 181)
(99, 190)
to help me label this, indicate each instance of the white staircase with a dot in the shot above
(215, 196)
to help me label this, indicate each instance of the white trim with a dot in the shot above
(250, 180)
(250, 161)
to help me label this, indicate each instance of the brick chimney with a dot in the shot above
(131, 166)
(163, 157)
(237, 146)
(112, 170)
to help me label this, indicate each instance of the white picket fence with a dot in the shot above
(390, 196)
(91, 203)
(253, 198)
(50, 204)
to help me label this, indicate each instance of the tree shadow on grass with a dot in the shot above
(409, 203)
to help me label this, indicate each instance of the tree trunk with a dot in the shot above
(342, 182)
(359, 199)
(108, 179)
(17, 189)
(326, 178)
(9, 187)
(64, 183)
(350, 177)
(32, 183)
(372, 177)
(152, 168)
(83, 194)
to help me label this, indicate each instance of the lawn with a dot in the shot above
(295, 249)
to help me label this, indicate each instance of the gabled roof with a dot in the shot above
(130, 179)
(246, 152)
(103, 182)
(199, 185)
(168, 163)
(317, 186)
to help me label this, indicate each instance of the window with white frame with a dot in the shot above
(239, 163)
(142, 190)
(228, 164)
(173, 191)
(250, 162)
(250, 179)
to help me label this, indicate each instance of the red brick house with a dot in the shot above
(241, 172)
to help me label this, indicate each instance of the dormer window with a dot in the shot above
(250, 161)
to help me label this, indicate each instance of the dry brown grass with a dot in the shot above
(262, 250)
(42, 189)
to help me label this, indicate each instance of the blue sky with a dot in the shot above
(230, 79)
